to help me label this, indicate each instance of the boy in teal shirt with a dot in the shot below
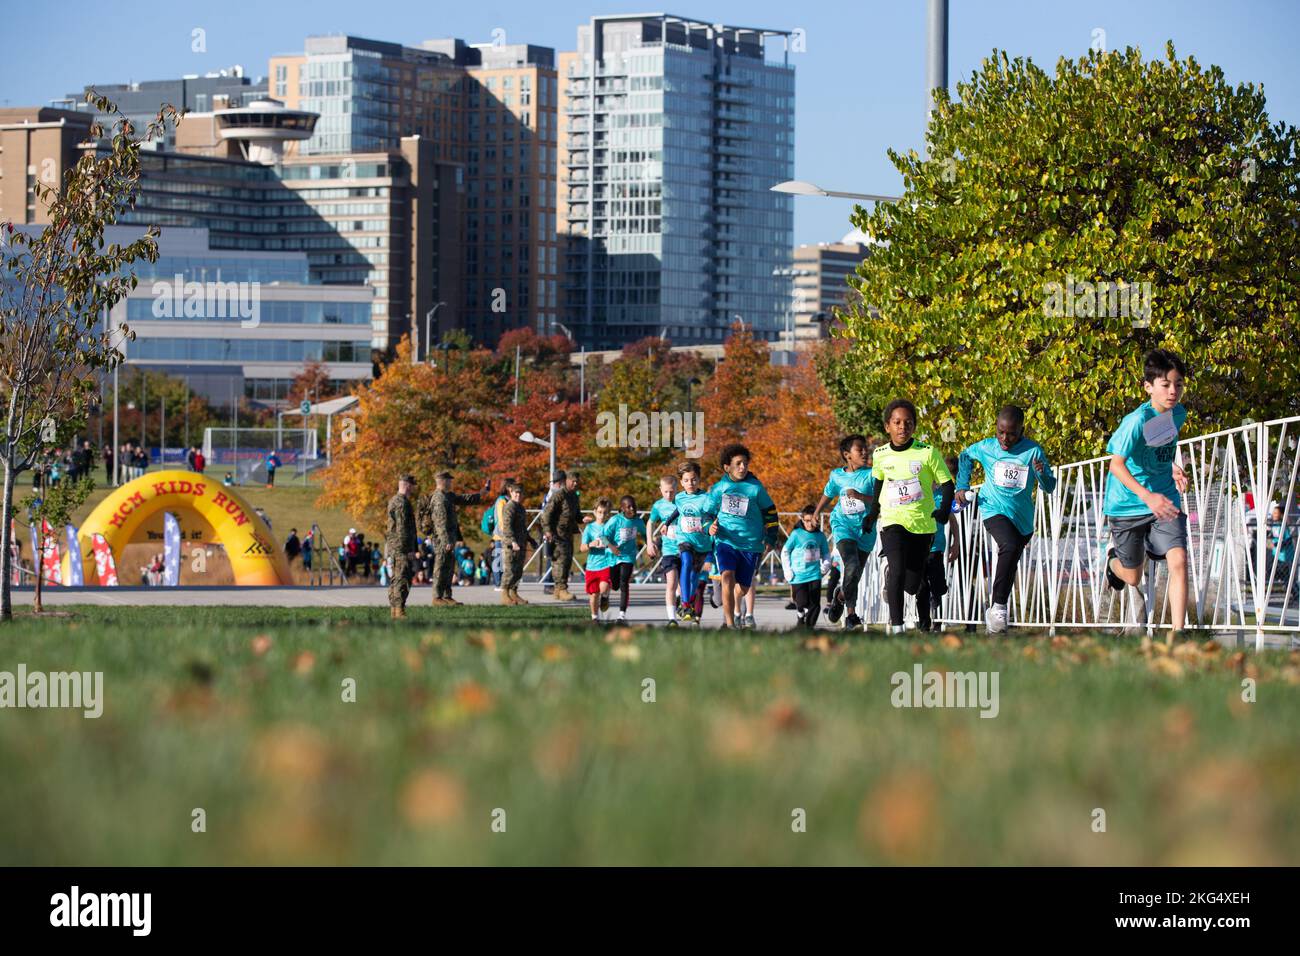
(1143, 501)
(855, 488)
(1014, 466)
(623, 530)
(665, 544)
(601, 558)
(805, 557)
(692, 515)
(746, 521)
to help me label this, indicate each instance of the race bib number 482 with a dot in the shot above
(1010, 474)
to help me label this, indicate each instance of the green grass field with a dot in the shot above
(241, 713)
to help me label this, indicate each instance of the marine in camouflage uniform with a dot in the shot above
(561, 520)
(399, 545)
(440, 526)
(514, 531)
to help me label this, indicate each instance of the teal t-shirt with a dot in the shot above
(603, 557)
(1009, 479)
(659, 513)
(1283, 543)
(806, 550)
(847, 515)
(1148, 441)
(621, 532)
(940, 536)
(739, 506)
(694, 515)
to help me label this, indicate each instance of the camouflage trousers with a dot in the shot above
(400, 584)
(562, 558)
(444, 562)
(513, 562)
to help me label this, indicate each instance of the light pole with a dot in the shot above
(797, 187)
(793, 274)
(534, 440)
(428, 322)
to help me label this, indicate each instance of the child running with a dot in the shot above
(667, 547)
(746, 521)
(805, 556)
(601, 559)
(908, 470)
(1014, 466)
(855, 487)
(692, 514)
(935, 583)
(1144, 492)
(622, 531)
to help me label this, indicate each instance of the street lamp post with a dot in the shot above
(428, 323)
(534, 440)
(797, 187)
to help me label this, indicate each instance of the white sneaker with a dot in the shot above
(897, 628)
(1138, 609)
(749, 621)
(996, 618)
(622, 617)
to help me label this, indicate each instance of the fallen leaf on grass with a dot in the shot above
(625, 652)
(303, 662)
(951, 641)
(484, 639)
(473, 698)
(785, 715)
(290, 753)
(412, 659)
(554, 652)
(897, 817)
(430, 798)
(260, 645)
(616, 634)
(1166, 666)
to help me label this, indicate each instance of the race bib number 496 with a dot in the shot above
(737, 505)
(1010, 474)
(852, 506)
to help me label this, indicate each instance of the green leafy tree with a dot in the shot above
(54, 286)
(1157, 178)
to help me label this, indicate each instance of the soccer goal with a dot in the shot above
(243, 451)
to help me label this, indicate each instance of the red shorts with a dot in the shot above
(595, 577)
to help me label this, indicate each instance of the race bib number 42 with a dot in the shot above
(737, 505)
(905, 491)
(1010, 474)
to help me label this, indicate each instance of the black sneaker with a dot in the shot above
(1111, 577)
(791, 606)
(713, 601)
(837, 606)
(852, 621)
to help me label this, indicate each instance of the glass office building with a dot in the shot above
(672, 133)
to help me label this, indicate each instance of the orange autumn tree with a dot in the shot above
(739, 397)
(414, 419)
(795, 450)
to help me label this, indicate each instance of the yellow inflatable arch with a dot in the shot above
(253, 554)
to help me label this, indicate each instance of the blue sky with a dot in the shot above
(860, 85)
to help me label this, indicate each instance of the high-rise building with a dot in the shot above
(491, 108)
(672, 132)
(820, 282)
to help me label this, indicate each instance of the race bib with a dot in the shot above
(691, 524)
(626, 534)
(737, 505)
(852, 506)
(598, 542)
(811, 555)
(670, 531)
(1010, 474)
(905, 491)
(1160, 430)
